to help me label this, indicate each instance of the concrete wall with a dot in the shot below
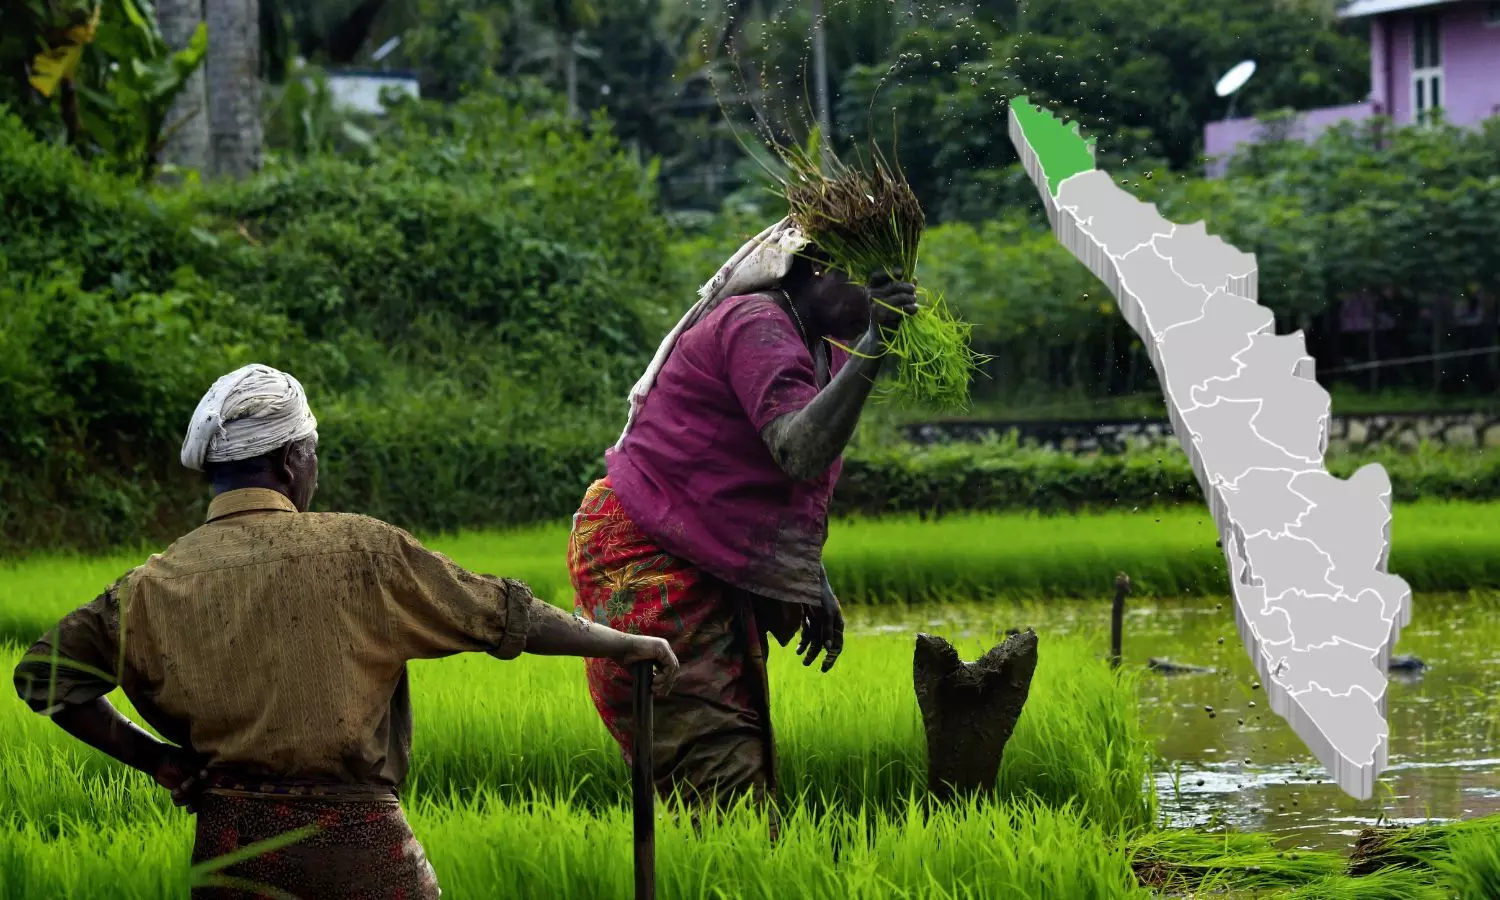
(1220, 139)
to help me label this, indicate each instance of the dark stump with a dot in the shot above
(969, 710)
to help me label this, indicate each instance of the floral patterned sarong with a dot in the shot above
(354, 847)
(712, 734)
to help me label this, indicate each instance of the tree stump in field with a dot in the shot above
(970, 709)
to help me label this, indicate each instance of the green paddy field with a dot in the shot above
(516, 789)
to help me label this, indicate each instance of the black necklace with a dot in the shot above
(792, 308)
(820, 361)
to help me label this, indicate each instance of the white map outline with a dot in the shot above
(1305, 550)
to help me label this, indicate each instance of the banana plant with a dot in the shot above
(58, 62)
(111, 75)
(129, 89)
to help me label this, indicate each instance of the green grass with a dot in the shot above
(850, 735)
(1471, 862)
(1060, 148)
(1418, 846)
(1437, 547)
(1388, 884)
(516, 789)
(484, 848)
(1460, 860)
(1190, 860)
(500, 747)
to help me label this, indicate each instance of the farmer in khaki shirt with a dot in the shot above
(270, 647)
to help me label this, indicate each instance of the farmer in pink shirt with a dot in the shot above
(708, 530)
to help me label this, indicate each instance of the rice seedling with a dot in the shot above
(1421, 845)
(546, 847)
(1199, 861)
(516, 791)
(935, 362)
(866, 219)
(510, 761)
(1471, 864)
(1387, 884)
(852, 735)
(1437, 547)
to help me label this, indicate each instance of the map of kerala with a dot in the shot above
(1316, 609)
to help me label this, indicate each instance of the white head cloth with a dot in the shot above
(248, 412)
(762, 262)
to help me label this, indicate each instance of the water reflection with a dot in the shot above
(1231, 760)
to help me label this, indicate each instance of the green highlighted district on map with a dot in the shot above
(1316, 609)
(1060, 149)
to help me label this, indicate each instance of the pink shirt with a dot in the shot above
(694, 472)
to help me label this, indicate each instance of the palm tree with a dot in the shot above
(554, 29)
(187, 131)
(570, 17)
(233, 81)
(740, 12)
(820, 73)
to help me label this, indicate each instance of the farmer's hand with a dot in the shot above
(891, 301)
(639, 648)
(823, 631)
(181, 772)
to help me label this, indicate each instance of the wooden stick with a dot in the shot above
(643, 788)
(1117, 619)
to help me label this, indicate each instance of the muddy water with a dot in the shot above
(1242, 764)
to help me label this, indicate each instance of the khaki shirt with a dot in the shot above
(276, 642)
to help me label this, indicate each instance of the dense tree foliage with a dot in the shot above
(470, 301)
(470, 283)
(96, 76)
(931, 76)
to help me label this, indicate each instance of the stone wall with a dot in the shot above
(1404, 430)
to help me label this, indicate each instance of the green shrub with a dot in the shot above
(58, 210)
(461, 309)
(998, 475)
(95, 386)
(435, 465)
(468, 307)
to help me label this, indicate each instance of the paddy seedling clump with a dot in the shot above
(867, 219)
(523, 736)
(970, 557)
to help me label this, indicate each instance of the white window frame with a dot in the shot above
(1426, 65)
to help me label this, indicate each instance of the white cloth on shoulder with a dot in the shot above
(760, 264)
(249, 412)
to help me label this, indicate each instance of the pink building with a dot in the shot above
(1423, 54)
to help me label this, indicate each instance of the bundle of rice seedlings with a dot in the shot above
(867, 220)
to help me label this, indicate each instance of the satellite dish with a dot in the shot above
(1235, 78)
(385, 50)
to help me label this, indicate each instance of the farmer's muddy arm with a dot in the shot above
(66, 675)
(805, 443)
(101, 726)
(557, 633)
(553, 632)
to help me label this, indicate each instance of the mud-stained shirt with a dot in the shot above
(694, 472)
(276, 642)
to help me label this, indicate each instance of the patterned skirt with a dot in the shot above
(258, 841)
(712, 734)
